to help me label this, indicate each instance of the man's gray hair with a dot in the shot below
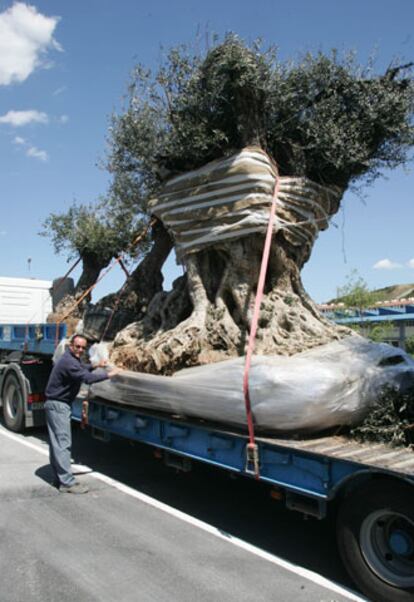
(76, 336)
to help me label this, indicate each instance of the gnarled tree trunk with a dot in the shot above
(219, 215)
(147, 279)
(131, 302)
(69, 309)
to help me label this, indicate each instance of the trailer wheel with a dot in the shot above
(13, 403)
(375, 532)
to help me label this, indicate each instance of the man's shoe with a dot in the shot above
(75, 488)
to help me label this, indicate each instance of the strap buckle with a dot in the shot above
(84, 414)
(252, 459)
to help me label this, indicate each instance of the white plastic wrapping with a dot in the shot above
(231, 197)
(60, 350)
(99, 353)
(65, 342)
(334, 384)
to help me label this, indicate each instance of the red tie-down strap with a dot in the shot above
(252, 450)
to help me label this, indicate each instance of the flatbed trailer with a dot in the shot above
(370, 487)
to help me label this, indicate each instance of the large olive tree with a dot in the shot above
(322, 118)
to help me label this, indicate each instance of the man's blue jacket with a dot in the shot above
(67, 376)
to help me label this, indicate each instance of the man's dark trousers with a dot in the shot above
(58, 415)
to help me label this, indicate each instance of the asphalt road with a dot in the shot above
(145, 533)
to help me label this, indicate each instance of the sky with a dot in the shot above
(64, 70)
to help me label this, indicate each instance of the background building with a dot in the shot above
(395, 316)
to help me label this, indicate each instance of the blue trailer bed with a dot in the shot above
(369, 486)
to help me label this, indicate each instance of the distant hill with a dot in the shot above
(388, 293)
(397, 291)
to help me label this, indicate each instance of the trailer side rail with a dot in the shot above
(283, 463)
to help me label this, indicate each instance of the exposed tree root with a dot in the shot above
(207, 316)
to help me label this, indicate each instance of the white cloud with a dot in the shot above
(20, 118)
(30, 150)
(63, 119)
(36, 153)
(25, 37)
(410, 263)
(386, 264)
(59, 91)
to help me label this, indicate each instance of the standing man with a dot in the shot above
(62, 388)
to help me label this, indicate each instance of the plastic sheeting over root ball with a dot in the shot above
(334, 384)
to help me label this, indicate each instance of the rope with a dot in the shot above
(84, 294)
(143, 232)
(252, 450)
(67, 273)
(124, 268)
(136, 240)
(119, 260)
(118, 299)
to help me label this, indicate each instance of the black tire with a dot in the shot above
(375, 533)
(13, 403)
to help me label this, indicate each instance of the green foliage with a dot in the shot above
(380, 332)
(355, 327)
(89, 231)
(322, 117)
(335, 123)
(390, 420)
(409, 345)
(355, 293)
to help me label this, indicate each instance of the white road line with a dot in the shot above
(302, 572)
(43, 450)
(311, 576)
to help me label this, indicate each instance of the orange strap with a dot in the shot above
(86, 293)
(84, 414)
(144, 231)
(82, 297)
(136, 240)
(119, 260)
(252, 452)
(118, 299)
(61, 280)
(124, 268)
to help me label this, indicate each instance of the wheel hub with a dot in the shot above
(13, 400)
(401, 543)
(387, 544)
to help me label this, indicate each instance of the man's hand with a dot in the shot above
(114, 372)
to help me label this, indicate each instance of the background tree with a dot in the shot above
(95, 234)
(323, 118)
(409, 345)
(380, 333)
(356, 295)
